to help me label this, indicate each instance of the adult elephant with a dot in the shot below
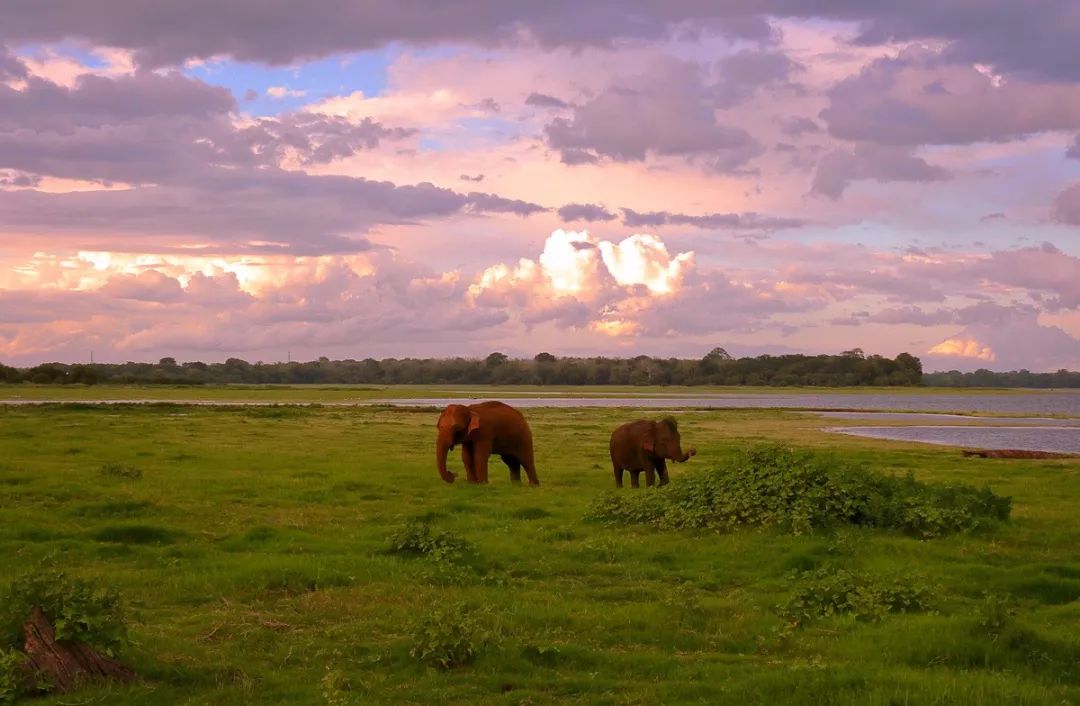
(483, 429)
(646, 445)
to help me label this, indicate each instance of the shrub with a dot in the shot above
(12, 684)
(830, 591)
(447, 637)
(416, 538)
(79, 610)
(798, 492)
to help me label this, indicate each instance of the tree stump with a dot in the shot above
(64, 665)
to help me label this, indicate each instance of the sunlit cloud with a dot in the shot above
(964, 348)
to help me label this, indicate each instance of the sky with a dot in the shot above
(271, 180)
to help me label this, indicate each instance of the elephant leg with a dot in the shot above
(469, 459)
(618, 475)
(661, 471)
(530, 467)
(634, 475)
(481, 454)
(650, 476)
(515, 468)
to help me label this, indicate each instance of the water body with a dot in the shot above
(1037, 403)
(939, 418)
(1065, 403)
(1030, 438)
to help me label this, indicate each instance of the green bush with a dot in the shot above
(12, 685)
(830, 591)
(416, 538)
(799, 492)
(79, 610)
(449, 636)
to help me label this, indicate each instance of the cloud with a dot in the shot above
(193, 176)
(1030, 39)
(279, 92)
(668, 111)
(799, 125)
(716, 221)
(478, 178)
(1067, 205)
(585, 212)
(738, 76)
(541, 100)
(917, 98)
(490, 203)
(838, 169)
(964, 347)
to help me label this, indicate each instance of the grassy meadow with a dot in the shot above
(250, 546)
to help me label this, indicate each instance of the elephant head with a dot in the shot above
(665, 442)
(456, 424)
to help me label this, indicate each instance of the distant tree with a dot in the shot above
(495, 359)
(718, 353)
(167, 362)
(544, 358)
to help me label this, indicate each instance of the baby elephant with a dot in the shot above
(644, 445)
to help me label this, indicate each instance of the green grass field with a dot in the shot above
(252, 558)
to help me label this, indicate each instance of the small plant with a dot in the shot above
(77, 609)
(830, 591)
(335, 687)
(448, 637)
(118, 470)
(996, 614)
(416, 538)
(12, 683)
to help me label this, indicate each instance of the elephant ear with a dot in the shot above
(474, 425)
(649, 444)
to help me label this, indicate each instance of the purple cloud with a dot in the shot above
(541, 100)
(666, 112)
(919, 98)
(718, 221)
(837, 170)
(585, 212)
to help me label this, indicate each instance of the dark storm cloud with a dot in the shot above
(838, 169)
(668, 111)
(717, 221)
(585, 212)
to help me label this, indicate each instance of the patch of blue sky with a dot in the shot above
(70, 50)
(492, 129)
(299, 84)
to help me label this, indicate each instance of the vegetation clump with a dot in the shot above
(829, 591)
(118, 470)
(449, 636)
(417, 538)
(799, 492)
(79, 610)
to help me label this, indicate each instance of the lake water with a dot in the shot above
(1036, 403)
(1031, 438)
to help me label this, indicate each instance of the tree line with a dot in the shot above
(1013, 378)
(717, 368)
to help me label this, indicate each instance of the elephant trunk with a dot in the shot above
(684, 457)
(442, 448)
